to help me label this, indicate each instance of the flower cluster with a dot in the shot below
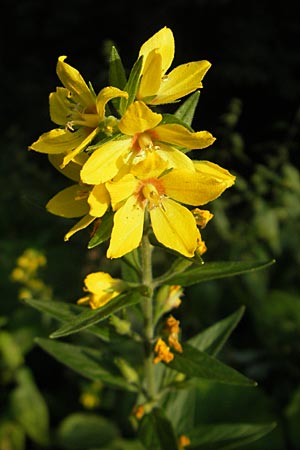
(127, 160)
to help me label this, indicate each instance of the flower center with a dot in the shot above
(144, 141)
(150, 192)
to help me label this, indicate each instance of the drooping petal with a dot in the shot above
(195, 188)
(152, 166)
(99, 200)
(59, 106)
(151, 76)
(163, 40)
(122, 189)
(181, 81)
(70, 202)
(177, 134)
(71, 171)
(105, 162)
(128, 229)
(58, 141)
(105, 95)
(214, 170)
(138, 118)
(80, 225)
(174, 226)
(74, 82)
(72, 154)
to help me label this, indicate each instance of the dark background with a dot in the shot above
(254, 50)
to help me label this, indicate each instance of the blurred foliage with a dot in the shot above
(251, 104)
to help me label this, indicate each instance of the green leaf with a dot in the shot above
(117, 76)
(81, 431)
(12, 436)
(86, 361)
(226, 436)
(65, 312)
(91, 317)
(156, 431)
(29, 408)
(132, 85)
(213, 338)
(186, 111)
(103, 231)
(195, 363)
(215, 270)
(171, 118)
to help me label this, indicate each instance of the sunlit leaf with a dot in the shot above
(132, 85)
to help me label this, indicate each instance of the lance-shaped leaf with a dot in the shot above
(117, 75)
(91, 317)
(86, 361)
(186, 111)
(103, 232)
(213, 270)
(132, 85)
(156, 431)
(195, 363)
(65, 312)
(212, 339)
(226, 436)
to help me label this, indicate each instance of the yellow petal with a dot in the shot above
(70, 202)
(72, 171)
(175, 158)
(151, 75)
(105, 162)
(99, 200)
(174, 226)
(73, 81)
(105, 95)
(181, 81)
(59, 106)
(195, 188)
(122, 189)
(138, 118)
(72, 154)
(99, 281)
(83, 223)
(152, 166)
(163, 40)
(176, 134)
(127, 230)
(58, 141)
(214, 170)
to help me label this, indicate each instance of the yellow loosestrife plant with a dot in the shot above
(135, 188)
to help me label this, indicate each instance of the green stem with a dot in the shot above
(146, 254)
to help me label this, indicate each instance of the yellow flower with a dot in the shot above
(102, 288)
(183, 442)
(159, 87)
(143, 133)
(149, 187)
(162, 351)
(173, 330)
(78, 112)
(202, 217)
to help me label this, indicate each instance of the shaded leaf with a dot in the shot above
(186, 111)
(195, 363)
(86, 361)
(156, 431)
(214, 270)
(29, 408)
(117, 76)
(65, 312)
(132, 85)
(212, 339)
(103, 231)
(226, 436)
(91, 317)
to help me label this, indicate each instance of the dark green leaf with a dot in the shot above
(213, 338)
(91, 317)
(132, 85)
(65, 312)
(171, 118)
(226, 436)
(103, 231)
(214, 270)
(117, 76)
(195, 363)
(29, 408)
(186, 111)
(86, 361)
(156, 431)
(81, 431)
